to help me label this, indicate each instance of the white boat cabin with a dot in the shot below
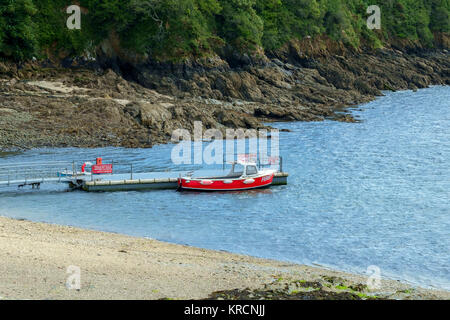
(242, 169)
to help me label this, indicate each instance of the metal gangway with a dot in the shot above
(35, 173)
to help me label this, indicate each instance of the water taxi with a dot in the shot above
(243, 176)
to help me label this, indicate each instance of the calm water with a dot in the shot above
(370, 193)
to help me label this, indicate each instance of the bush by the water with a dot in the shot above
(174, 29)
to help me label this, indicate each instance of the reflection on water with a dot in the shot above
(359, 194)
(4, 154)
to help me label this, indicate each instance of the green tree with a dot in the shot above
(166, 28)
(440, 20)
(52, 34)
(17, 37)
(177, 29)
(240, 25)
(277, 22)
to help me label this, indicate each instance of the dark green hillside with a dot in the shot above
(174, 29)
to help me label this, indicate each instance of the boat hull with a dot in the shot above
(212, 184)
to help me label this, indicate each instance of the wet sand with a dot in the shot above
(35, 257)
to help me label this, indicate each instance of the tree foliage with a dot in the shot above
(17, 34)
(170, 29)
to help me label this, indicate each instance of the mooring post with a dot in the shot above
(74, 171)
(131, 171)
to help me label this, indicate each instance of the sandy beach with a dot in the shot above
(35, 257)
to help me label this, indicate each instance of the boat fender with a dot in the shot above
(249, 181)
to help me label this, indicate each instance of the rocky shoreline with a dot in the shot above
(117, 101)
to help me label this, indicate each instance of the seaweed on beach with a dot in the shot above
(295, 290)
(328, 288)
(319, 294)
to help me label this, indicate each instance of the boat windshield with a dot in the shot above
(237, 170)
(251, 170)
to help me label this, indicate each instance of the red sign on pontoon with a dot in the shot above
(102, 169)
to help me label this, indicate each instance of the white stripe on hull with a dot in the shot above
(238, 189)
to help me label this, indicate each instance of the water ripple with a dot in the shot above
(370, 193)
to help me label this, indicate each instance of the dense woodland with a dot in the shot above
(176, 29)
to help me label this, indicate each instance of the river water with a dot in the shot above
(375, 192)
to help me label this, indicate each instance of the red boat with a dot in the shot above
(243, 176)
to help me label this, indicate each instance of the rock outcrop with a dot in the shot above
(142, 102)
